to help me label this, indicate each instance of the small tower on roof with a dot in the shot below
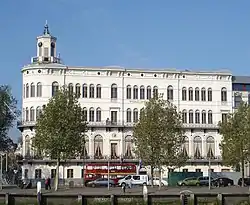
(46, 48)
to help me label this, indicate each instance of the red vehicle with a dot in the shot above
(116, 171)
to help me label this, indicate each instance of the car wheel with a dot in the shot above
(183, 184)
(93, 185)
(229, 184)
(123, 184)
(144, 184)
(197, 184)
(162, 184)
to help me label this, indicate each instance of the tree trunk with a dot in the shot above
(152, 175)
(57, 174)
(242, 171)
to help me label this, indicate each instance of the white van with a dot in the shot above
(134, 180)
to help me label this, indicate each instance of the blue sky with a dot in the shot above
(193, 34)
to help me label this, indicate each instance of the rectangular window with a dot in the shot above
(197, 95)
(26, 173)
(53, 173)
(46, 52)
(224, 117)
(70, 173)
(142, 93)
(190, 95)
(98, 91)
(191, 117)
(197, 118)
(40, 51)
(113, 116)
(237, 101)
(38, 173)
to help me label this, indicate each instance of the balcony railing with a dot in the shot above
(105, 158)
(123, 124)
(41, 59)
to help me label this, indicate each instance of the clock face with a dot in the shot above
(40, 44)
(53, 45)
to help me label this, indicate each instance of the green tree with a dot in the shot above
(158, 136)
(235, 144)
(8, 114)
(60, 131)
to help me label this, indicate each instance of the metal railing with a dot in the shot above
(183, 198)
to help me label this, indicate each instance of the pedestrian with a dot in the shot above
(130, 183)
(49, 183)
(46, 184)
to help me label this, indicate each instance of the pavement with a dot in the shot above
(133, 191)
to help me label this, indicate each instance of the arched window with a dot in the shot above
(32, 114)
(114, 91)
(209, 94)
(149, 92)
(155, 91)
(27, 114)
(184, 116)
(184, 94)
(98, 91)
(210, 146)
(24, 87)
(190, 94)
(203, 94)
(170, 92)
(197, 94)
(98, 115)
(84, 91)
(91, 114)
(135, 115)
(203, 117)
(85, 153)
(85, 113)
(197, 116)
(128, 91)
(27, 90)
(223, 94)
(191, 116)
(91, 91)
(38, 112)
(71, 89)
(210, 117)
(197, 147)
(128, 147)
(27, 146)
(55, 88)
(129, 115)
(98, 147)
(142, 92)
(78, 90)
(186, 147)
(32, 90)
(135, 92)
(39, 90)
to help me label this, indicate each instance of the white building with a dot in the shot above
(113, 97)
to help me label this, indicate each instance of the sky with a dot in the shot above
(194, 34)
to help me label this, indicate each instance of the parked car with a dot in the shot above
(194, 181)
(101, 182)
(156, 182)
(190, 181)
(222, 181)
(246, 181)
(134, 180)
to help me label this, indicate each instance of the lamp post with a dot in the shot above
(108, 173)
(209, 173)
(1, 171)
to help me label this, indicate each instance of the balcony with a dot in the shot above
(201, 126)
(206, 159)
(41, 59)
(21, 124)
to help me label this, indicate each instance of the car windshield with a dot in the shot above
(189, 179)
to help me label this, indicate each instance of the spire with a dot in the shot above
(46, 29)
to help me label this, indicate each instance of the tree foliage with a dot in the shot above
(60, 130)
(8, 114)
(158, 136)
(235, 131)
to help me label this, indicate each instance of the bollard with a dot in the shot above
(220, 199)
(184, 199)
(112, 199)
(39, 192)
(7, 199)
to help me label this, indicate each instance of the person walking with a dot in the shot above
(49, 183)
